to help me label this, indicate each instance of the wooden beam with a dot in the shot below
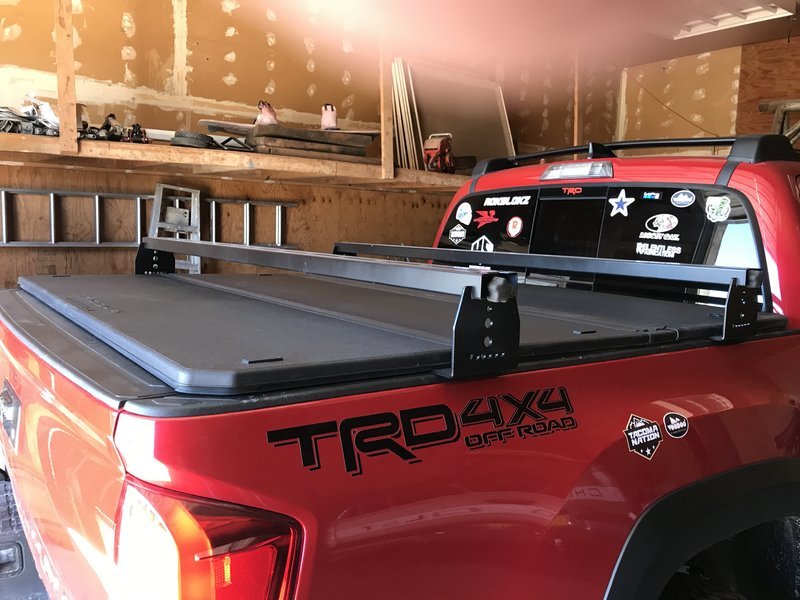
(387, 124)
(65, 73)
(218, 160)
(17, 142)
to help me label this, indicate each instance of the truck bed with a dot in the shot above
(229, 334)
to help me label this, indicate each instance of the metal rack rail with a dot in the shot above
(709, 276)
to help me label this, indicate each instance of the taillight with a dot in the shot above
(173, 546)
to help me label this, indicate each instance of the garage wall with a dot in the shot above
(168, 63)
(325, 215)
(770, 71)
(540, 99)
(693, 96)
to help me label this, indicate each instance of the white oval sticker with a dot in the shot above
(682, 199)
(661, 223)
(464, 213)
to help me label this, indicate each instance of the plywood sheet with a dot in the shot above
(690, 96)
(26, 36)
(470, 107)
(538, 95)
(770, 71)
(286, 52)
(75, 219)
(127, 42)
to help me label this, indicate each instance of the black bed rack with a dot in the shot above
(486, 327)
(746, 148)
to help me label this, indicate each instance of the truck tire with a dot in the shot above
(18, 577)
(194, 135)
(685, 586)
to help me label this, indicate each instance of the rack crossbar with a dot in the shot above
(432, 278)
(709, 276)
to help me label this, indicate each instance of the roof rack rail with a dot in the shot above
(746, 148)
(710, 276)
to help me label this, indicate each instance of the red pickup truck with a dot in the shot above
(586, 389)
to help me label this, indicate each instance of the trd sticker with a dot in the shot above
(482, 244)
(514, 227)
(682, 199)
(572, 191)
(486, 217)
(537, 413)
(676, 425)
(620, 204)
(457, 234)
(643, 436)
(464, 213)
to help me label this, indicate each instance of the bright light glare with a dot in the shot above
(147, 554)
(580, 170)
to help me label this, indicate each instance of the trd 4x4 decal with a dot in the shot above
(409, 430)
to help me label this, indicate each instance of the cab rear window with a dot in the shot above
(632, 222)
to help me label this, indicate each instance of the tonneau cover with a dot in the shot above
(229, 334)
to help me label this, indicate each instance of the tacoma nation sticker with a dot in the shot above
(643, 436)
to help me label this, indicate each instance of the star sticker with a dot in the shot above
(620, 204)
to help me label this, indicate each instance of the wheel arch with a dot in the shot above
(687, 521)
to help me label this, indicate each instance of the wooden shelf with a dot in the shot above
(159, 159)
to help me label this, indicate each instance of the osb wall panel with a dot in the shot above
(168, 63)
(283, 51)
(540, 100)
(770, 71)
(324, 216)
(693, 96)
(26, 28)
(598, 91)
(126, 42)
